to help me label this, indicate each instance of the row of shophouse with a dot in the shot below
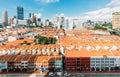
(30, 62)
(84, 60)
(92, 63)
(73, 60)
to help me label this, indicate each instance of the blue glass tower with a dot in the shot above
(20, 13)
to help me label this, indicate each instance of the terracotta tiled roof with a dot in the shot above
(13, 58)
(19, 58)
(33, 59)
(75, 53)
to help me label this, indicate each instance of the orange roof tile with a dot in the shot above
(75, 53)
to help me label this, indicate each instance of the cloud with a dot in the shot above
(48, 1)
(114, 3)
(103, 14)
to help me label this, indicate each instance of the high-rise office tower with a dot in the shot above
(30, 15)
(38, 18)
(5, 18)
(20, 13)
(59, 21)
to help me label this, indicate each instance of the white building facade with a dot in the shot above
(102, 63)
(59, 21)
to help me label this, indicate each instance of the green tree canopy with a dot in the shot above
(45, 40)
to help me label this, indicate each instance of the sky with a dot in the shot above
(83, 9)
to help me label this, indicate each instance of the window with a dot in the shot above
(93, 59)
(97, 61)
(26, 63)
(102, 61)
(106, 61)
(106, 64)
(106, 58)
(68, 68)
(111, 64)
(92, 64)
(78, 58)
(111, 58)
(97, 58)
(111, 61)
(97, 64)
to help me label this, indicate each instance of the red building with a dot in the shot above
(11, 21)
(77, 60)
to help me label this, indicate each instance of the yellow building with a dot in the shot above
(116, 20)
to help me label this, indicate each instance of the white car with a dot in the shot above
(66, 74)
(59, 73)
(51, 74)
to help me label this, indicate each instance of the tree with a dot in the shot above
(45, 40)
(114, 32)
(97, 26)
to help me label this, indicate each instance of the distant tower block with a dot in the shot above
(5, 18)
(20, 13)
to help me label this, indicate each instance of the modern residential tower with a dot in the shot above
(116, 20)
(5, 18)
(59, 21)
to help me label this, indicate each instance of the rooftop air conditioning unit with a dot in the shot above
(106, 47)
(114, 48)
(97, 48)
(88, 48)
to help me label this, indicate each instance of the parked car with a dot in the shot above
(66, 74)
(59, 73)
(51, 74)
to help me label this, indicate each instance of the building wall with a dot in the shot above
(98, 63)
(10, 38)
(20, 13)
(11, 65)
(24, 64)
(31, 65)
(78, 24)
(59, 21)
(102, 63)
(77, 64)
(117, 61)
(11, 21)
(22, 22)
(69, 24)
(116, 21)
(58, 65)
(3, 65)
(5, 18)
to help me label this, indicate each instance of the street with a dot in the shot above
(72, 75)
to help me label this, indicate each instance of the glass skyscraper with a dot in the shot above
(20, 13)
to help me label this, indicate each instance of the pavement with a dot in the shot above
(21, 75)
(72, 75)
(95, 75)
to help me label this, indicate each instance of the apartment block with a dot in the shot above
(116, 20)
